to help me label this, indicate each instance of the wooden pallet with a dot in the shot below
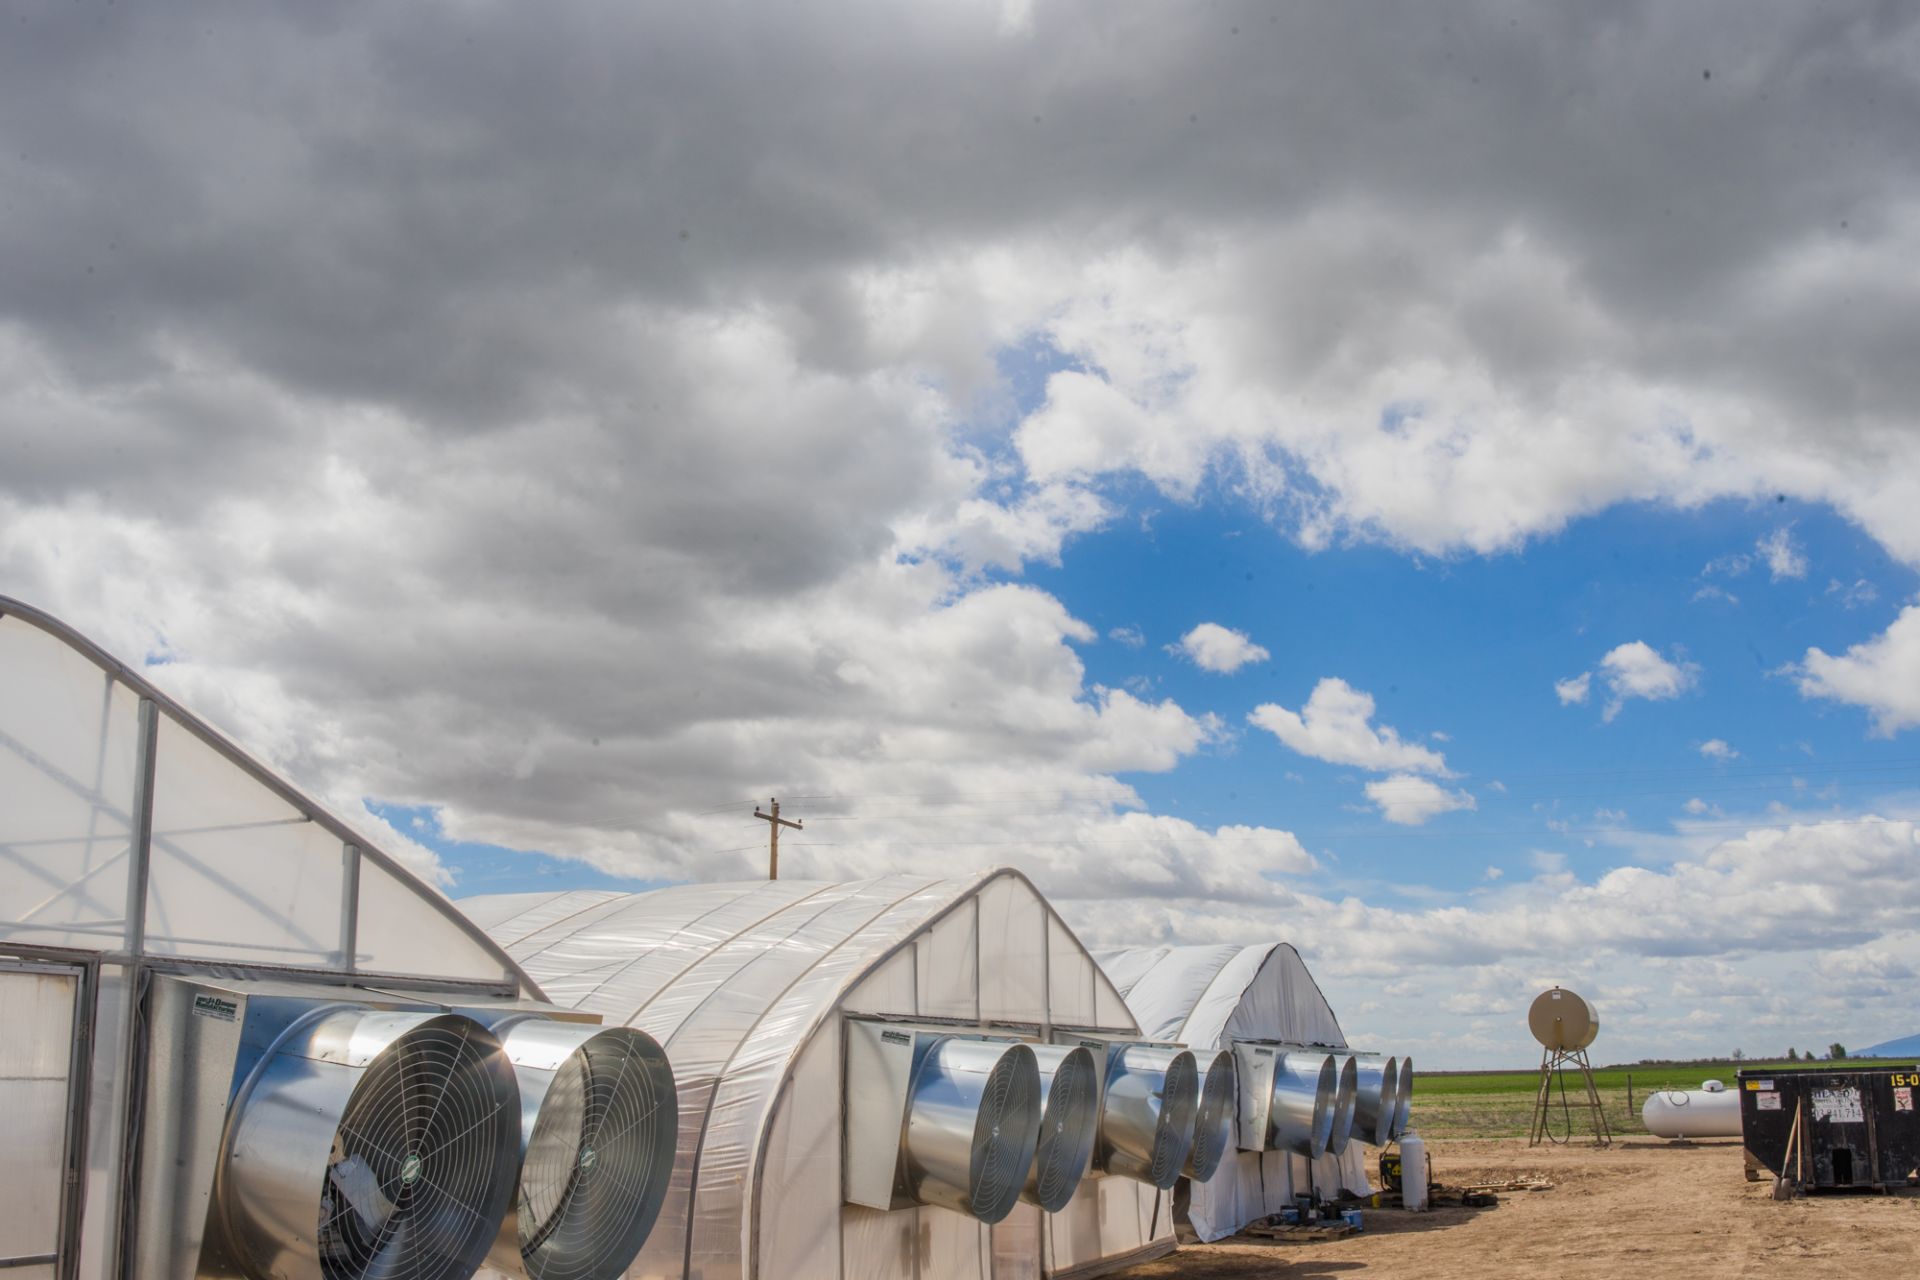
(1293, 1233)
(1515, 1184)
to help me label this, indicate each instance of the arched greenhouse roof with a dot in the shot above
(735, 979)
(131, 829)
(1205, 995)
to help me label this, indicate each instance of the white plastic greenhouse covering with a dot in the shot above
(1208, 997)
(132, 835)
(746, 984)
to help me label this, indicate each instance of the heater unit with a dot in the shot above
(289, 1132)
(598, 1123)
(938, 1118)
(1376, 1097)
(1213, 1118)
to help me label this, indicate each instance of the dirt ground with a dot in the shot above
(1642, 1208)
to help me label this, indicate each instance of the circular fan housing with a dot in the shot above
(1345, 1099)
(599, 1120)
(1376, 1097)
(1302, 1111)
(1069, 1121)
(371, 1145)
(973, 1120)
(1146, 1115)
(1403, 1113)
(1213, 1118)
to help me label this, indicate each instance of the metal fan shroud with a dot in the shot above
(372, 1146)
(1069, 1122)
(1213, 1118)
(599, 1123)
(1146, 1113)
(973, 1119)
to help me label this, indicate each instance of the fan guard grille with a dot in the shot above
(1176, 1120)
(421, 1165)
(1213, 1120)
(598, 1159)
(1003, 1135)
(1067, 1128)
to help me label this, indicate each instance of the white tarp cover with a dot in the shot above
(744, 984)
(1208, 997)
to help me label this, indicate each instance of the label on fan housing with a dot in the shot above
(206, 1006)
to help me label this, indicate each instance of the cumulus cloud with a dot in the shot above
(1410, 800)
(1335, 726)
(1573, 690)
(1718, 749)
(1782, 554)
(1215, 648)
(1882, 675)
(1722, 926)
(1128, 635)
(572, 439)
(1636, 670)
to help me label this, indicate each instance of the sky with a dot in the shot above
(1441, 491)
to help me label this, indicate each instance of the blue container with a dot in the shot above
(1352, 1218)
(1290, 1216)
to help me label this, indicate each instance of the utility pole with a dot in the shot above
(774, 822)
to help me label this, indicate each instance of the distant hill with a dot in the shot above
(1905, 1047)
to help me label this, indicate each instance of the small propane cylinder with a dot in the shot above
(1413, 1172)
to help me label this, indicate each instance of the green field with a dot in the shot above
(1499, 1104)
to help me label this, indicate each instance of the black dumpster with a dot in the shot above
(1854, 1128)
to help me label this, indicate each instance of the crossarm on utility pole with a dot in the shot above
(774, 822)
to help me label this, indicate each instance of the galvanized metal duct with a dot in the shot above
(973, 1121)
(1345, 1099)
(1376, 1097)
(1301, 1115)
(1069, 1122)
(598, 1125)
(1146, 1113)
(371, 1144)
(1404, 1111)
(1213, 1118)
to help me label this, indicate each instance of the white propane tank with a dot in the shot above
(1710, 1111)
(1413, 1172)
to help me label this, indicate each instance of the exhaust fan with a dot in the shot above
(1213, 1119)
(1147, 1101)
(1376, 1097)
(1345, 1098)
(598, 1124)
(1404, 1111)
(288, 1136)
(1302, 1107)
(1069, 1121)
(934, 1118)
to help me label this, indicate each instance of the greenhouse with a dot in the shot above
(243, 1041)
(1217, 997)
(772, 999)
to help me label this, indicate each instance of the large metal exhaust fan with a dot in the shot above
(1213, 1118)
(369, 1145)
(1069, 1122)
(1146, 1113)
(1404, 1111)
(934, 1118)
(1376, 1097)
(1302, 1107)
(1345, 1098)
(598, 1124)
